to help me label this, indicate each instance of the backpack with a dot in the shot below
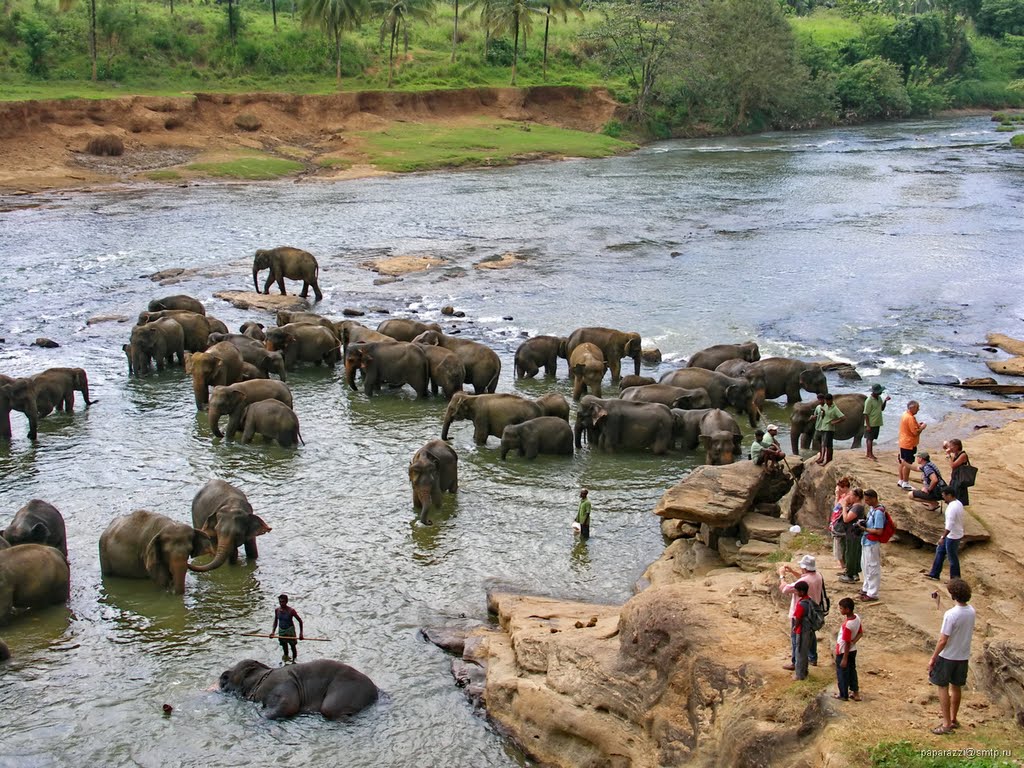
(826, 603)
(815, 615)
(836, 525)
(888, 530)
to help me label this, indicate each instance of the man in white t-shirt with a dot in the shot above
(948, 666)
(949, 544)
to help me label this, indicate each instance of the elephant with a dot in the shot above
(801, 422)
(158, 341)
(787, 376)
(293, 263)
(395, 362)
(254, 353)
(673, 397)
(195, 326)
(614, 344)
(482, 364)
(490, 413)
(4, 544)
(216, 326)
(624, 425)
(554, 404)
(55, 389)
(220, 365)
(544, 434)
(178, 301)
(446, 370)
(352, 332)
(251, 373)
(223, 513)
(233, 399)
(331, 688)
(38, 523)
(540, 351)
(286, 317)
(724, 391)
(635, 381)
(5, 652)
(714, 429)
(712, 357)
(17, 395)
(273, 420)
(405, 329)
(300, 342)
(253, 330)
(586, 368)
(32, 575)
(148, 545)
(434, 469)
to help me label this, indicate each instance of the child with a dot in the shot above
(284, 617)
(846, 652)
(801, 629)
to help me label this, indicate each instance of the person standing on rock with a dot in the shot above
(808, 574)
(836, 526)
(853, 515)
(957, 458)
(910, 436)
(827, 415)
(871, 547)
(947, 668)
(873, 407)
(949, 544)
(582, 518)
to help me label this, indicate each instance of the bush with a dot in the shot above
(38, 39)
(499, 54)
(1017, 142)
(1001, 17)
(105, 146)
(248, 122)
(872, 90)
(612, 128)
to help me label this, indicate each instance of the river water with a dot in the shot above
(892, 246)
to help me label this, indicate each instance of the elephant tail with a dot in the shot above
(492, 385)
(299, 436)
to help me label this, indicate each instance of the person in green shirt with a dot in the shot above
(583, 515)
(757, 447)
(873, 407)
(826, 416)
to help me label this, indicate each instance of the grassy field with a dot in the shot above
(248, 168)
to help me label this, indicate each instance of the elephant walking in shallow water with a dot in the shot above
(32, 575)
(147, 545)
(223, 512)
(434, 469)
(614, 345)
(55, 389)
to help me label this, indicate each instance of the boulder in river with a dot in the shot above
(45, 343)
(271, 302)
(940, 380)
(1012, 367)
(1006, 343)
(719, 496)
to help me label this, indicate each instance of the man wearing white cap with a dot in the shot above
(772, 452)
(808, 574)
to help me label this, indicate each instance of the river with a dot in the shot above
(891, 246)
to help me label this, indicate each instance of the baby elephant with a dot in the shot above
(38, 523)
(329, 687)
(434, 468)
(233, 399)
(545, 434)
(32, 575)
(272, 419)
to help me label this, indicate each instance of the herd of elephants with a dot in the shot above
(687, 409)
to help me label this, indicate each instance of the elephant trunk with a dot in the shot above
(447, 423)
(636, 363)
(213, 416)
(255, 278)
(200, 390)
(224, 548)
(753, 414)
(350, 375)
(423, 501)
(794, 436)
(178, 568)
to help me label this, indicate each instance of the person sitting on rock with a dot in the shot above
(931, 488)
(772, 453)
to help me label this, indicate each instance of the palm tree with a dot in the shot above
(514, 16)
(559, 8)
(486, 8)
(455, 31)
(397, 14)
(67, 5)
(334, 17)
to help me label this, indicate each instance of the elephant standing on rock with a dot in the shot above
(301, 342)
(434, 469)
(614, 345)
(159, 341)
(544, 434)
(405, 329)
(55, 389)
(147, 545)
(623, 425)
(724, 391)
(233, 399)
(801, 422)
(713, 428)
(490, 413)
(253, 330)
(673, 397)
(293, 263)
(219, 366)
(254, 353)
(396, 363)
(38, 523)
(331, 688)
(712, 357)
(540, 352)
(223, 513)
(482, 364)
(32, 575)
(196, 327)
(787, 376)
(446, 370)
(178, 301)
(17, 395)
(586, 368)
(274, 420)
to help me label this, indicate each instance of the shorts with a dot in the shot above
(760, 459)
(947, 672)
(908, 455)
(871, 433)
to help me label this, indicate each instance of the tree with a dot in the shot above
(514, 16)
(334, 17)
(1001, 17)
(67, 5)
(455, 30)
(560, 8)
(396, 17)
(486, 8)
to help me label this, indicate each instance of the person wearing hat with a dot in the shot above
(873, 407)
(808, 574)
(772, 452)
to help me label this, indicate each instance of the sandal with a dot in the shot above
(855, 696)
(954, 725)
(942, 730)
(841, 698)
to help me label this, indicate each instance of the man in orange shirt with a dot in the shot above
(910, 436)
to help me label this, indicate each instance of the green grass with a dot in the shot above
(1017, 141)
(416, 147)
(825, 27)
(904, 754)
(251, 168)
(163, 175)
(335, 163)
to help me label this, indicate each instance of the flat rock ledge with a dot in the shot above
(271, 302)
(396, 266)
(1006, 343)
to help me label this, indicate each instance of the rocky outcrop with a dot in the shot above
(1012, 367)
(1002, 664)
(271, 302)
(762, 528)
(1006, 343)
(719, 496)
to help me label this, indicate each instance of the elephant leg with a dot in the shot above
(280, 284)
(270, 279)
(316, 290)
(857, 437)
(248, 431)
(793, 395)
(577, 388)
(233, 556)
(281, 705)
(615, 366)
(305, 289)
(251, 550)
(480, 431)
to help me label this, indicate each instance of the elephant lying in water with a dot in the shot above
(178, 301)
(38, 523)
(147, 545)
(673, 397)
(329, 687)
(32, 575)
(724, 391)
(223, 513)
(434, 469)
(801, 422)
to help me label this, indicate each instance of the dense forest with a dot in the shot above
(707, 65)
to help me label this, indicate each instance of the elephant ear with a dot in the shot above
(201, 544)
(367, 358)
(256, 527)
(210, 526)
(737, 440)
(600, 414)
(154, 558)
(39, 533)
